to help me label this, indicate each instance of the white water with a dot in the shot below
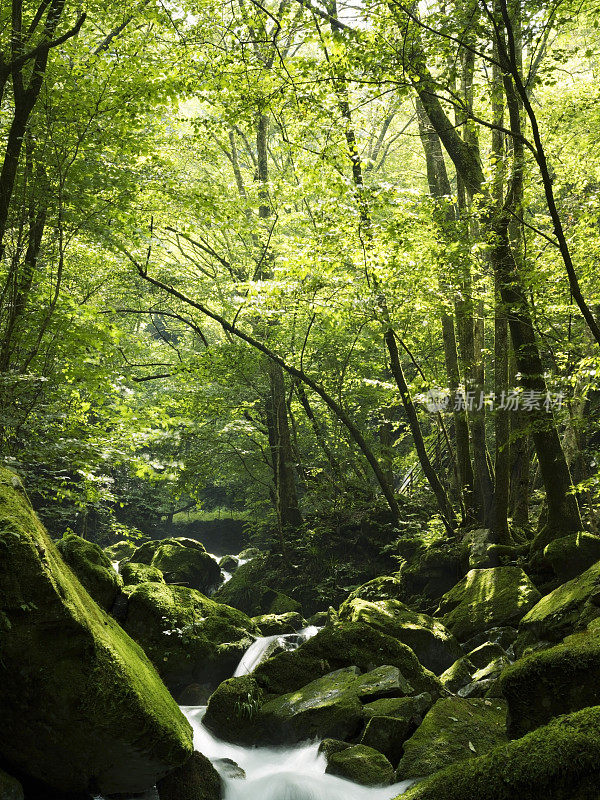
(280, 773)
(259, 650)
(116, 566)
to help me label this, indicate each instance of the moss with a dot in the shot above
(86, 703)
(233, 709)
(119, 550)
(568, 608)
(453, 730)
(271, 624)
(197, 779)
(388, 734)
(247, 590)
(361, 764)
(552, 682)
(458, 675)
(486, 598)
(10, 788)
(93, 568)
(133, 573)
(571, 555)
(386, 587)
(400, 707)
(435, 647)
(188, 565)
(560, 761)
(189, 637)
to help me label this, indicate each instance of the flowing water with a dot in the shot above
(264, 645)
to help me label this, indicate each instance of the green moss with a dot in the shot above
(133, 573)
(361, 764)
(247, 591)
(86, 702)
(453, 730)
(233, 709)
(271, 624)
(93, 568)
(188, 565)
(572, 555)
(388, 734)
(435, 647)
(119, 550)
(386, 587)
(558, 762)
(399, 707)
(486, 598)
(552, 682)
(197, 779)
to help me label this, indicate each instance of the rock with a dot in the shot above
(255, 599)
(453, 730)
(274, 624)
(558, 762)
(197, 779)
(92, 567)
(228, 768)
(474, 674)
(476, 544)
(10, 788)
(504, 636)
(186, 565)
(119, 550)
(545, 684)
(233, 710)
(487, 598)
(330, 746)
(483, 655)
(572, 555)
(229, 564)
(81, 702)
(434, 572)
(400, 707)
(434, 646)
(362, 765)
(386, 587)
(188, 637)
(567, 609)
(457, 676)
(144, 553)
(343, 645)
(319, 619)
(133, 573)
(249, 553)
(196, 694)
(388, 734)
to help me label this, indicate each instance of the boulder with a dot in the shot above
(189, 637)
(133, 573)
(388, 734)
(487, 598)
(400, 707)
(485, 654)
(248, 591)
(572, 555)
(362, 765)
(459, 675)
(275, 624)
(10, 788)
(551, 682)
(435, 647)
(249, 553)
(229, 564)
(433, 572)
(233, 710)
(567, 609)
(560, 761)
(228, 768)
(330, 746)
(81, 703)
(197, 779)
(386, 587)
(186, 565)
(93, 568)
(144, 553)
(453, 730)
(119, 550)
(503, 636)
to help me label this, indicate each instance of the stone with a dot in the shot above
(435, 647)
(453, 730)
(362, 765)
(119, 550)
(386, 587)
(133, 573)
(233, 710)
(487, 598)
(10, 788)
(433, 572)
(275, 624)
(457, 676)
(186, 565)
(388, 734)
(476, 544)
(400, 707)
(560, 761)
(571, 555)
(92, 567)
(197, 779)
(229, 564)
(81, 701)
(228, 768)
(504, 636)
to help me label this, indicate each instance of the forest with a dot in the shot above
(300, 390)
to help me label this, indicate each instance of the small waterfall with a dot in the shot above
(116, 566)
(262, 648)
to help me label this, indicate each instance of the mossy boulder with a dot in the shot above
(93, 568)
(433, 571)
(10, 788)
(81, 703)
(133, 573)
(229, 564)
(560, 761)
(189, 637)
(435, 647)
(386, 587)
(144, 552)
(552, 682)
(388, 734)
(273, 624)
(119, 550)
(187, 565)
(343, 645)
(247, 591)
(233, 710)
(400, 707)
(567, 609)
(487, 598)
(197, 779)
(571, 555)
(454, 729)
(361, 764)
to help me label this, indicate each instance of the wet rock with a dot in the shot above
(197, 779)
(229, 564)
(362, 765)
(228, 768)
(119, 550)
(503, 636)
(388, 734)
(274, 624)
(187, 565)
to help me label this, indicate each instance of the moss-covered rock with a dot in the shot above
(233, 710)
(80, 701)
(435, 647)
(343, 645)
(388, 734)
(197, 779)
(93, 568)
(247, 591)
(400, 707)
(504, 636)
(386, 587)
(273, 624)
(133, 573)
(560, 761)
(432, 572)
(572, 555)
(567, 609)
(229, 564)
(457, 676)
(552, 682)
(119, 550)
(453, 730)
(144, 552)
(361, 764)
(10, 788)
(487, 598)
(189, 637)
(187, 565)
